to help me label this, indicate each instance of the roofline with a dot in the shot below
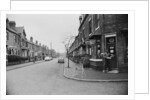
(12, 31)
(83, 21)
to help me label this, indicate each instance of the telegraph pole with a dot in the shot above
(51, 49)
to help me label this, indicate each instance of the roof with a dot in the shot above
(21, 30)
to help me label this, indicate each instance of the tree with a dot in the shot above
(68, 41)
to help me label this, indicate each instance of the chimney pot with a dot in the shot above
(36, 42)
(12, 24)
(31, 39)
(80, 19)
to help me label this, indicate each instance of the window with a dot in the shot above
(96, 17)
(15, 38)
(22, 42)
(12, 51)
(90, 27)
(18, 52)
(7, 36)
(90, 51)
(87, 51)
(83, 36)
(26, 44)
(18, 40)
(9, 51)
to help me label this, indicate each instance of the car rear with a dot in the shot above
(60, 60)
(47, 58)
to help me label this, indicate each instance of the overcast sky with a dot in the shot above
(48, 28)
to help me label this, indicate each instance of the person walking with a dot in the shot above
(86, 61)
(108, 58)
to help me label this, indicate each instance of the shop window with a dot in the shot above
(98, 48)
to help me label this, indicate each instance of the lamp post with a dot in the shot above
(67, 49)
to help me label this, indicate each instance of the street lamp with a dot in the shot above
(67, 48)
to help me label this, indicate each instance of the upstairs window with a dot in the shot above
(83, 35)
(90, 27)
(16, 38)
(7, 36)
(96, 17)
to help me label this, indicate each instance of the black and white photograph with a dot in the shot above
(67, 54)
(74, 49)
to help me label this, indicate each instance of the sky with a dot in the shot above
(48, 28)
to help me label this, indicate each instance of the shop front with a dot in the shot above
(96, 61)
(110, 45)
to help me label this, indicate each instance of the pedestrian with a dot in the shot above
(86, 61)
(108, 58)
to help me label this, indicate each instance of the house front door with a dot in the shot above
(111, 49)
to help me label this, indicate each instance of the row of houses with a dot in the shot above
(99, 34)
(18, 47)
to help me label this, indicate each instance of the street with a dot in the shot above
(47, 78)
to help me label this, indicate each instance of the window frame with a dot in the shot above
(96, 18)
(90, 26)
(7, 36)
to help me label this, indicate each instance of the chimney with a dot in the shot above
(31, 39)
(12, 24)
(7, 23)
(80, 19)
(36, 42)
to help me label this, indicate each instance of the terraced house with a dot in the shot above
(13, 39)
(100, 34)
(19, 49)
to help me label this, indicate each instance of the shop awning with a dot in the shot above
(94, 36)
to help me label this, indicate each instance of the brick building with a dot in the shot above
(13, 39)
(101, 33)
(19, 49)
(24, 44)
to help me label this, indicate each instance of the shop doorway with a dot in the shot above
(111, 49)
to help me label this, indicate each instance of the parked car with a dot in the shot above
(61, 60)
(47, 58)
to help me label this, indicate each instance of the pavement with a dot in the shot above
(76, 72)
(22, 65)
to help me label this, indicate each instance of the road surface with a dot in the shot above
(47, 78)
